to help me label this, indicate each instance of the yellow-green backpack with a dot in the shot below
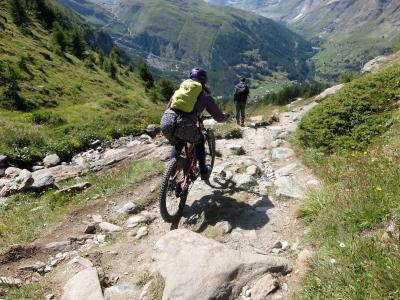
(184, 99)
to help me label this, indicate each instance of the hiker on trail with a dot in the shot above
(240, 98)
(179, 122)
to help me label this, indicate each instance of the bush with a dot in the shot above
(354, 115)
(21, 146)
(19, 12)
(46, 117)
(165, 88)
(60, 38)
(144, 73)
(290, 93)
(12, 99)
(78, 44)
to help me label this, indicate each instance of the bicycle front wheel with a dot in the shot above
(172, 198)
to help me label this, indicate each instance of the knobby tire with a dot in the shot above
(165, 214)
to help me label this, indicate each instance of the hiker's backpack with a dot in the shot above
(241, 92)
(184, 99)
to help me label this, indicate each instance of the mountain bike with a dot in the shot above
(181, 173)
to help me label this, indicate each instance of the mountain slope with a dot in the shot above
(57, 102)
(177, 35)
(350, 32)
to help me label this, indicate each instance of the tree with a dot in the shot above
(59, 37)
(144, 73)
(18, 12)
(11, 95)
(115, 56)
(166, 88)
(113, 70)
(78, 44)
(45, 13)
(101, 57)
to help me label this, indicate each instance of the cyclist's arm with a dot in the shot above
(213, 109)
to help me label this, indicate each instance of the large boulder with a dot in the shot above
(374, 65)
(12, 172)
(244, 180)
(328, 92)
(3, 161)
(282, 153)
(51, 160)
(195, 267)
(287, 187)
(42, 181)
(21, 183)
(152, 130)
(83, 286)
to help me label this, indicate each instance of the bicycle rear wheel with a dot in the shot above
(172, 198)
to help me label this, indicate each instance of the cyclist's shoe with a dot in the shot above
(206, 175)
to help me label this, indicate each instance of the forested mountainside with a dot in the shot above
(228, 42)
(56, 93)
(348, 32)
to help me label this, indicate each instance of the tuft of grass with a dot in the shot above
(18, 224)
(156, 288)
(32, 291)
(358, 199)
(228, 131)
(143, 279)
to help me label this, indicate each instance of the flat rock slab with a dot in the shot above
(287, 170)
(121, 292)
(287, 187)
(195, 267)
(83, 286)
(282, 153)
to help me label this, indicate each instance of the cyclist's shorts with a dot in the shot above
(175, 127)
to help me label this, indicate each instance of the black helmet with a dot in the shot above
(199, 74)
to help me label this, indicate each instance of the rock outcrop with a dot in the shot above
(195, 267)
(330, 91)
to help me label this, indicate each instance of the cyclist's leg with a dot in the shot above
(177, 150)
(201, 157)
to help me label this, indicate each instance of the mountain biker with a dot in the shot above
(179, 122)
(240, 98)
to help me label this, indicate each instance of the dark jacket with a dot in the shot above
(241, 92)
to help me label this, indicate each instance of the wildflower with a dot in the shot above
(342, 245)
(332, 261)
(378, 189)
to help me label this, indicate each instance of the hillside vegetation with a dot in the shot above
(354, 216)
(228, 42)
(57, 94)
(354, 115)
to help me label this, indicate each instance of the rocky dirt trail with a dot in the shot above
(238, 239)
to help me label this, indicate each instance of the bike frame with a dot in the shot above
(192, 158)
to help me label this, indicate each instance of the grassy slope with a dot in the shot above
(223, 40)
(92, 104)
(358, 200)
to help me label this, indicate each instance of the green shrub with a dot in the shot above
(19, 12)
(46, 117)
(228, 131)
(354, 115)
(11, 98)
